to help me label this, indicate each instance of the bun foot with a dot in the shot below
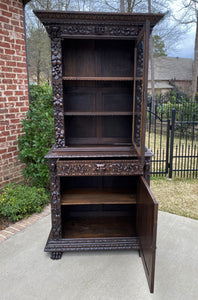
(56, 255)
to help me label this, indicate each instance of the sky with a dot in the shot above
(186, 47)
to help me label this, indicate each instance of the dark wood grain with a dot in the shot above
(147, 209)
(97, 196)
(97, 227)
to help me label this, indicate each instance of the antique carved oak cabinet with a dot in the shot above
(99, 166)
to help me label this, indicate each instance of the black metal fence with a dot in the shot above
(172, 135)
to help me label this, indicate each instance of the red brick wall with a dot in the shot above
(13, 87)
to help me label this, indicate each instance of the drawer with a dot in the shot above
(99, 167)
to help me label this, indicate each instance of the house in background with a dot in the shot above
(170, 72)
(14, 101)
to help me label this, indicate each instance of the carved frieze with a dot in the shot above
(99, 29)
(99, 168)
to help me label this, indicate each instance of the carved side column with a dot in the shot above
(138, 88)
(57, 84)
(55, 200)
(147, 169)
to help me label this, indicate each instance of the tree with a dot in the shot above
(188, 16)
(38, 47)
(159, 48)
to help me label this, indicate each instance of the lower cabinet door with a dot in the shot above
(147, 210)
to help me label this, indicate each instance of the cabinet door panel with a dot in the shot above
(147, 209)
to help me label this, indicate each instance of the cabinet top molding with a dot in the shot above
(58, 17)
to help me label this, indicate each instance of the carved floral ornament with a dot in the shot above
(94, 168)
(70, 29)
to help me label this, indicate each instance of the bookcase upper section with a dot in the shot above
(99, 77)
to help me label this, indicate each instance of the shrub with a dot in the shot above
(37, 136)
(19, 201)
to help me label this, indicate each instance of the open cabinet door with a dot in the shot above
(147, 210)
(141, 55)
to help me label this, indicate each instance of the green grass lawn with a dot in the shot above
(177, 196)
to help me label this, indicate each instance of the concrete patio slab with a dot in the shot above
(26, 272)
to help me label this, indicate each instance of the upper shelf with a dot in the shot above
(98, 113)
(79, 78)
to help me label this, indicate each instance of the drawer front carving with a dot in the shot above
(99, 167)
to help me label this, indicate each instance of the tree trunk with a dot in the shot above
(151, 64)
(195, 63)
(122, 6)
(152, 72)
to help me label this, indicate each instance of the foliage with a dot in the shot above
(158, 46)
(19, 201)
(37, 136)
(186, 108)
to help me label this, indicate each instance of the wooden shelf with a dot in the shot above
(97, 196)
(98, 113)
(96, 78)
(98, 227)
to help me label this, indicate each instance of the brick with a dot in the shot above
(12, 149)
(7, 26)
(8, 51)
(4, 111)
(18, 81)
(21, 65)
(15, 22)
(19, 103)
(9, 232)
(2, 140)
(6, 13)
(14, 110)
(16, 153)
(18, 29)
(11, 63)
(4, 19)
(19, 226)
(10, 116)
(3, 6)
(7, 81)
(4, 45)
(2, 63)
(17, 70)
(3, 151)
(14, 9)
(8, 93)
(13, 98)
(6, 69)
(11, 138)
(11, 87)
(10, 75)
(7, 155)
(12, 229)
(24, 109)
(20, 42)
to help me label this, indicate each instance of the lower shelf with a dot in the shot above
(98, 227)
(97, 196)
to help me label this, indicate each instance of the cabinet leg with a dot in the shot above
(56, 255)
(139, 253)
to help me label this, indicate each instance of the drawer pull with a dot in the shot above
(100, 167)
